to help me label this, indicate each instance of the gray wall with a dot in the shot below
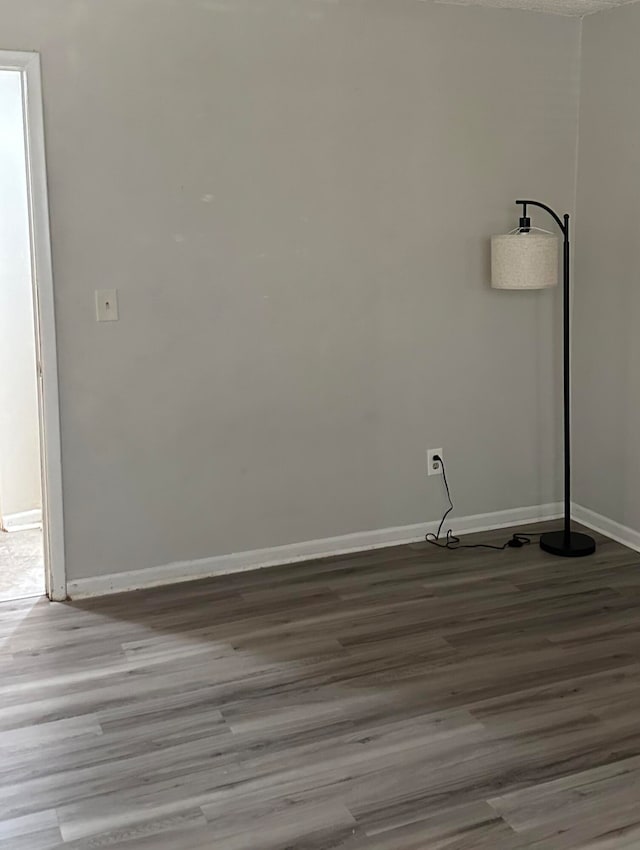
(607, 298)
(294, 199)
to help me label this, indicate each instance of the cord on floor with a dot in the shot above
(452, 542)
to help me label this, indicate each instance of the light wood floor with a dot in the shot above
(403, 699)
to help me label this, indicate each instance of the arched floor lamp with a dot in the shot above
(528, 259)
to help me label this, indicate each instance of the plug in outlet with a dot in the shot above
(434, 467)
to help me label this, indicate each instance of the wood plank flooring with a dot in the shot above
(401, 699)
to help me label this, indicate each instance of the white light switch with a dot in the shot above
(107, 305)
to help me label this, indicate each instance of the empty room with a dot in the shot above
(319, 424)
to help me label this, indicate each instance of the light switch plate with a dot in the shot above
(106, 305)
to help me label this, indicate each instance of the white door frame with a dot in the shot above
(28, 64)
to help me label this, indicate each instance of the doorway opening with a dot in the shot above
(31, 531)
(21, 538)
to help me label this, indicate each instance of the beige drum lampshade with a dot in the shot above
(524, 261)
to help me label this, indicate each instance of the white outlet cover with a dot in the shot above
(430, 462)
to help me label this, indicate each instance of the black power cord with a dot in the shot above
(452, 542)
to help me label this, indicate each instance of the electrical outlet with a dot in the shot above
(434, 467)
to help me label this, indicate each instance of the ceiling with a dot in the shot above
(558, 7)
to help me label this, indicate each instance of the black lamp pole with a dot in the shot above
(567, 543)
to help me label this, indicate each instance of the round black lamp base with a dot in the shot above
(578, 546)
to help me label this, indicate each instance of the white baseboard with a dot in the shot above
(295, 552)
(620, 533)
(22, 521)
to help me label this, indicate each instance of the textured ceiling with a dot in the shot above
(558, 7)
